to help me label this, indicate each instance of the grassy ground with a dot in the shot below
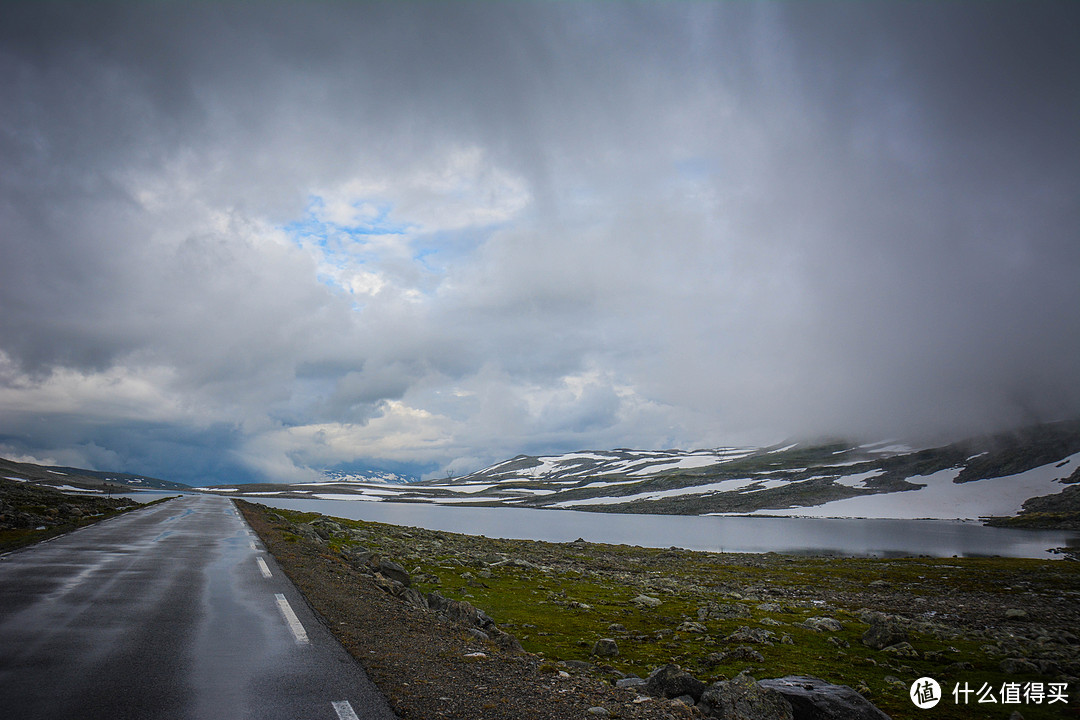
(559, 599)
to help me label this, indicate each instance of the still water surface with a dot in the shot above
(874, 538)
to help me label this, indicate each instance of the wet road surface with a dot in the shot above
(170, 611)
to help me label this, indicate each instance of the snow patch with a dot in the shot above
(941, 498)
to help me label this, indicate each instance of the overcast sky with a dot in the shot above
(254, 241)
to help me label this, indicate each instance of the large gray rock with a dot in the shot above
(723, 611)
(814, 699)
(307, 532)
(466, 614)
(605, 647)
(746, 634)
(646, 601)
(883, 632)
(327, 528)
(671, 681)
(823, 624)
(744, 699)
(392, 570)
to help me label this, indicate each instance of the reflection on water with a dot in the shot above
(874, 538)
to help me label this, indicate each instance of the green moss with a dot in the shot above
(574, 593)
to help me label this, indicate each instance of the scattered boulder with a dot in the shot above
(630, 682)
(743, 698)
(745, 634)
(466, 614)
(883, 632)
(436, 601)
(814, 699)
(504, 640)
(1018, 666)
(646, 601)
(902, 649)
(743, 653)
(723, 611)
(356, 555)
(307, 532)
(392, 570)
(1016, 614)
(327, 528)
(605, 647)
(671, 681)
(693, 627)
(822, 624)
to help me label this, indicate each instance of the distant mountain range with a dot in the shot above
(979, 477)
(79, 480)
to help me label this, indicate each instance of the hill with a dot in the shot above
(979, 477)
(80, 480)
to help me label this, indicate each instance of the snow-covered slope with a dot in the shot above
(971, 479)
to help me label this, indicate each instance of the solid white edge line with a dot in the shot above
(290, 617)
(344, 710)
(262, 567)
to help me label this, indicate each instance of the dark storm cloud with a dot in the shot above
(444, 233)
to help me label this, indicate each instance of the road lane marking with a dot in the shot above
(262, 567)
(344, 710)
(252, 544)
(290, 617)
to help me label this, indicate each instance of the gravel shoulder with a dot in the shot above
(428, 666)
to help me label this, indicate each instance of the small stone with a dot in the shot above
(599, 711)
(1016, 614)
(646, 601)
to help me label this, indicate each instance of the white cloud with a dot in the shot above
(475, 230)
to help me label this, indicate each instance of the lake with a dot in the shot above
(819, 536)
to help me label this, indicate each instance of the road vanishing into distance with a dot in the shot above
(169, 611)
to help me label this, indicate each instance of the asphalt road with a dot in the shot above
(170, 611)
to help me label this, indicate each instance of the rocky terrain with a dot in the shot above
(30, 513)
(459, 626)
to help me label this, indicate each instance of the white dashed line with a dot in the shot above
(252, 545)
(290, 617)
(344, 710)
(262, 567)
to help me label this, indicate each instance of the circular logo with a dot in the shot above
(925, 693)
